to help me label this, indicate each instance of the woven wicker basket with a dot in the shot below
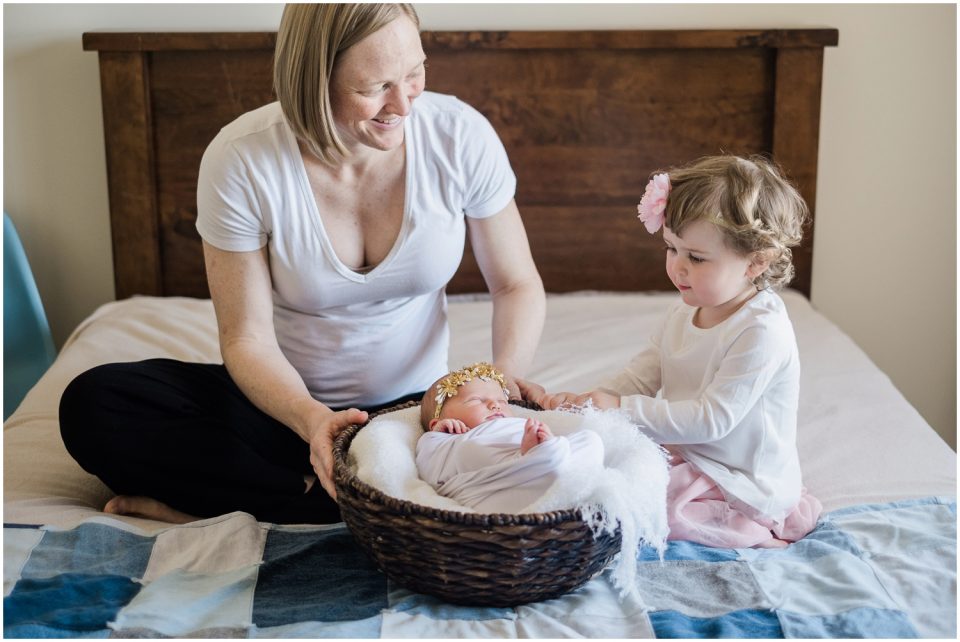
(469, 558)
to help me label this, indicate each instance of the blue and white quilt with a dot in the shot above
(880, 570)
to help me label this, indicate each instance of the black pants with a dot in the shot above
(185, 434)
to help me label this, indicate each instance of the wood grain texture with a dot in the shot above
(194, 94)
(131, 174)
(585, 117)
(796, 136)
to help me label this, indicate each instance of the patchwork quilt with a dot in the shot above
(876, 571)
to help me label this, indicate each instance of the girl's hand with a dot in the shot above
(599, 399)
(324, 432)
(451, 426)
(530, 391)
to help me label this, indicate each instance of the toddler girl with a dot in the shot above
(724, 361)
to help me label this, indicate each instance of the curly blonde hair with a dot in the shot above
(758, 210)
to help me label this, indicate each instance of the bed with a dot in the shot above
(585, 117)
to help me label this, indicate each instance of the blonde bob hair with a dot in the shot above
(309, 39)
(759, 212)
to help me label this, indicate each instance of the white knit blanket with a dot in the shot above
(629, 490)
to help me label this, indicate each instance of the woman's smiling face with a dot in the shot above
(374, 84)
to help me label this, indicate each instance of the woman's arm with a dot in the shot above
(519, 304)
(241, 290)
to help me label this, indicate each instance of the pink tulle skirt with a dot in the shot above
(698, 512)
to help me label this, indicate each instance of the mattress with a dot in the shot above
(881, 562)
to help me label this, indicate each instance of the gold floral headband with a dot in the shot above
(450, 385)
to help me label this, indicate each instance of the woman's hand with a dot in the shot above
(530, 391)
(513, 389)
(324, 432)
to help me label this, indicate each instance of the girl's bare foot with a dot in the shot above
(137, 506)
(774, 543)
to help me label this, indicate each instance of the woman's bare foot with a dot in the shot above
(137, 506)
(534, 433)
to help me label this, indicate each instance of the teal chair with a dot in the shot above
(27, 345)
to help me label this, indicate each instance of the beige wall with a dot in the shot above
(885, 259)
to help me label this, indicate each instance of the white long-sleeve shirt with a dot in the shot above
(484, 470)
(728, 400)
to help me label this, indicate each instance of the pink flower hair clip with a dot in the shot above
(653, 205)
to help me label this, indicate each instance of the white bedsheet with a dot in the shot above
(860, 441)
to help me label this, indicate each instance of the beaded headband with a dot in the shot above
(450, 385)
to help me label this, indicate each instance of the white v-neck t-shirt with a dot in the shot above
(357, 339)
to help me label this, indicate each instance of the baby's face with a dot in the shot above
(477, 401)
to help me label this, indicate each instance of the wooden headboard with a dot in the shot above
(585, 117)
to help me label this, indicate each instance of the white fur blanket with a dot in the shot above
(629, 490)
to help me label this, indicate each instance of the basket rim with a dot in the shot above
(343, 476)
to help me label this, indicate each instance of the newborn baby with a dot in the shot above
(477, 453)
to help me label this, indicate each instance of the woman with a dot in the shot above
(331, 223)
